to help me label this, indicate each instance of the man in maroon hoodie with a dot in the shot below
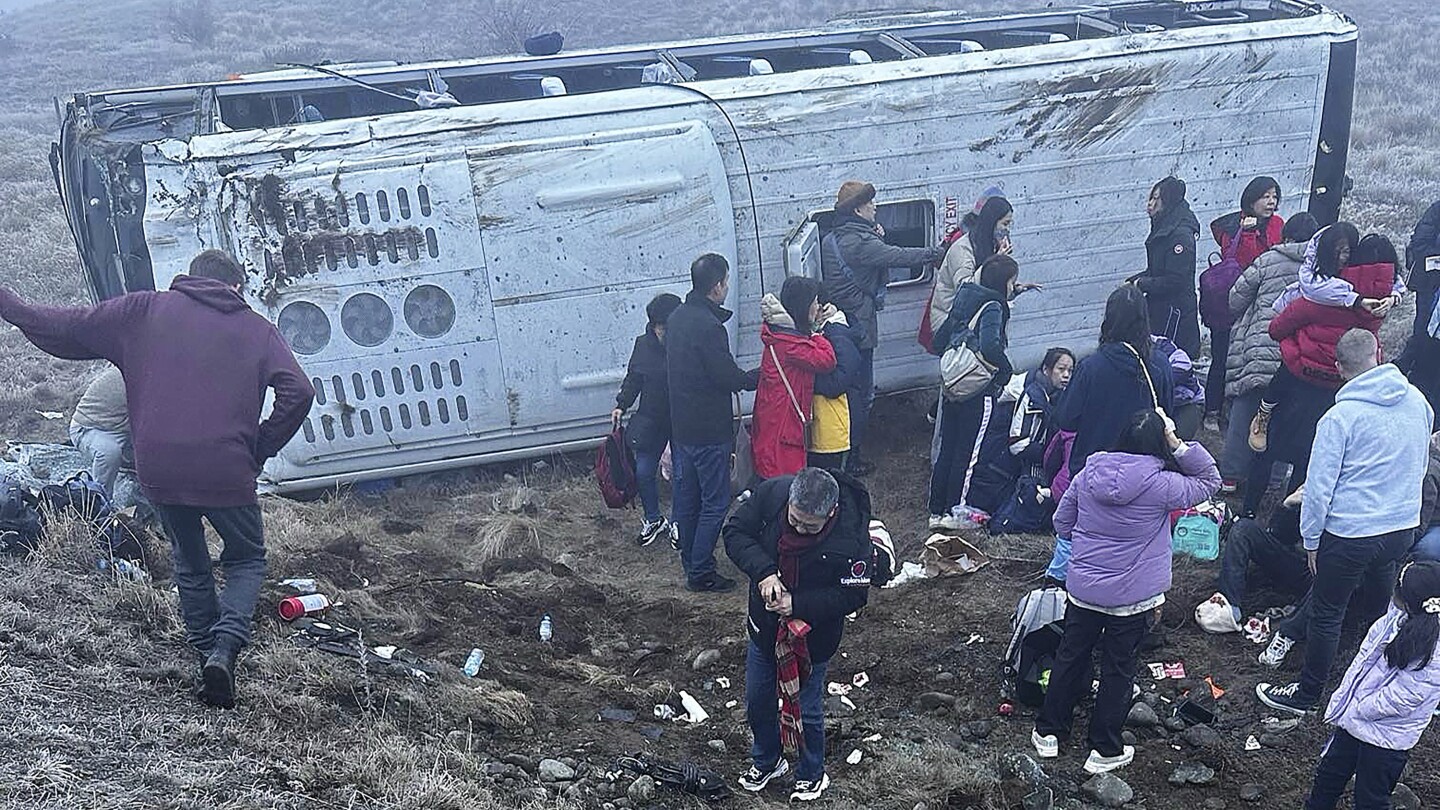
(197, 362)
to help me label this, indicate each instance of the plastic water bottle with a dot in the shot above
(124, 569)
(547, 628)
(472, 664)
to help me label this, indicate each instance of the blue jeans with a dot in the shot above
(701, 499)
(647, 475)
(1236, 457)
(1376, 771)
(763, 711)
(1427, 548)
(1060, 561)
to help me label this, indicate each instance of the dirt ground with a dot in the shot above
(95, 678)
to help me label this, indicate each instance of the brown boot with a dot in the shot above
(1259, 431)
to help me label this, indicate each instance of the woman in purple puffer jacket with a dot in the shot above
(1386, 699)
(1117, 516)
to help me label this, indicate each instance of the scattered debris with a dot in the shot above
(694, 712)
(293, 607)
(855, 757)
(664, 711)
(732, 704)
(1252, 744)
(473, 663)
(1193, 713)
(719, 746)
(1006, 709)
(872, 738)
(722, 682)
(861, 680)
(302, 585)
(1161, 671)
(1215, 691)
(838, 689)
(52, 415)
(1276, 725)
(909, 572)
(946, 555)
(975, 638)
(614, 715)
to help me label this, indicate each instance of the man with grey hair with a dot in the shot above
(1359, 511)
(805, 543)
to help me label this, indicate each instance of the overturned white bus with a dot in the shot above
(460, 252)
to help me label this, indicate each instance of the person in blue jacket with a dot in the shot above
(1112, 384)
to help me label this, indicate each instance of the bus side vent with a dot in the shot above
(418, 386)
(308, 233)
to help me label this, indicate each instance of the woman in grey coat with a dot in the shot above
(1254, 356)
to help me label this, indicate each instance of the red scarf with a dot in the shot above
(792, 653)
(792, 666)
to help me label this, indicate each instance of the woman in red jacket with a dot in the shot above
(1254, 229)
(1305, 385)
(792, 356)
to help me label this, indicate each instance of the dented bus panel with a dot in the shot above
(463, 278)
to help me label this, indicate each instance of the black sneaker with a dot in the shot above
(807, 790)
(651, 530)
(1284, 698)
(755, 780)
(217, 678)
(715, 583)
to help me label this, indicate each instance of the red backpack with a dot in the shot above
(615, 470)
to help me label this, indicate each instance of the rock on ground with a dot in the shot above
(928, 701)
(1404, 798)
(641, 790)
(553, 770)
(1192, 773)
(1202, 737)
(1142, 715)
(706, 659)
(1109, 790)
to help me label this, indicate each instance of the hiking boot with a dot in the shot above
(652, 529)
(807, 790)
(1097, 764)
(1260, 431)
(715, 583)
(755, 780)
(1274, 654)
(1285, 698)
(1047, 746)
(217, 678)
(674, 537)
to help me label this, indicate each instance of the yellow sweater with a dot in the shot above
(831, 431)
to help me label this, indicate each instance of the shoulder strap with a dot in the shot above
(784, 379)
(975, 321)
(1144, 369)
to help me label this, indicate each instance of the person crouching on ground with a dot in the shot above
(647, 379)
(1117, 516)
(1386, 699)
(804, 542)
(100, 428)
(197, 363)
(792, 356)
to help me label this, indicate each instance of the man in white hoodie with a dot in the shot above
(1360, 509)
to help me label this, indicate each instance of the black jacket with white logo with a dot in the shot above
(835, 575)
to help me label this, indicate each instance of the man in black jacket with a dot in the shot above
(855, 265)
(703, 378)
(804, 542)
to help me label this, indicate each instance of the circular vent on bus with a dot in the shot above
(304, 327)
(367, 319)
(429, 311)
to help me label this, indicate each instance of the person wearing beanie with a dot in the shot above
(793, 354)
(1249, 232)
(1168, 281)
(647, 380)
(855, 263)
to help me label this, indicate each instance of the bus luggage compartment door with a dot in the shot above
(579, 234)
(376, 281)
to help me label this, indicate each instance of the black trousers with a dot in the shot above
(1376, 771)
(209, 612)
(1118, 640)
(958, 430)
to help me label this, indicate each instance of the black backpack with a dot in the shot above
(1023, 510)
(1039, 624)
(82, 496)
(20, 525)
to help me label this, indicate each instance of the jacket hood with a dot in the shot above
(776, 334)
(1175, 219)
(1294, 251)
(1118, 479)
(852, 221)
(840, 329)
(978, 294)
(698, 299)
(213, 293)
(1383, 385)
(773, 312)
(1370, 280)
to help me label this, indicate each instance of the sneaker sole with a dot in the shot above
(218, 689)
(755, 787)
(1096, 770)
(1278, 706)
(810, 797)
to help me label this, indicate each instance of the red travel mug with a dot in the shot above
(293, 607)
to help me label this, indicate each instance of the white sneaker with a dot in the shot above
(952, 523)
(808, 791)
(1047, 746)
(1097, 764)
(936, 521)
(755, 780)
(1274, 654)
